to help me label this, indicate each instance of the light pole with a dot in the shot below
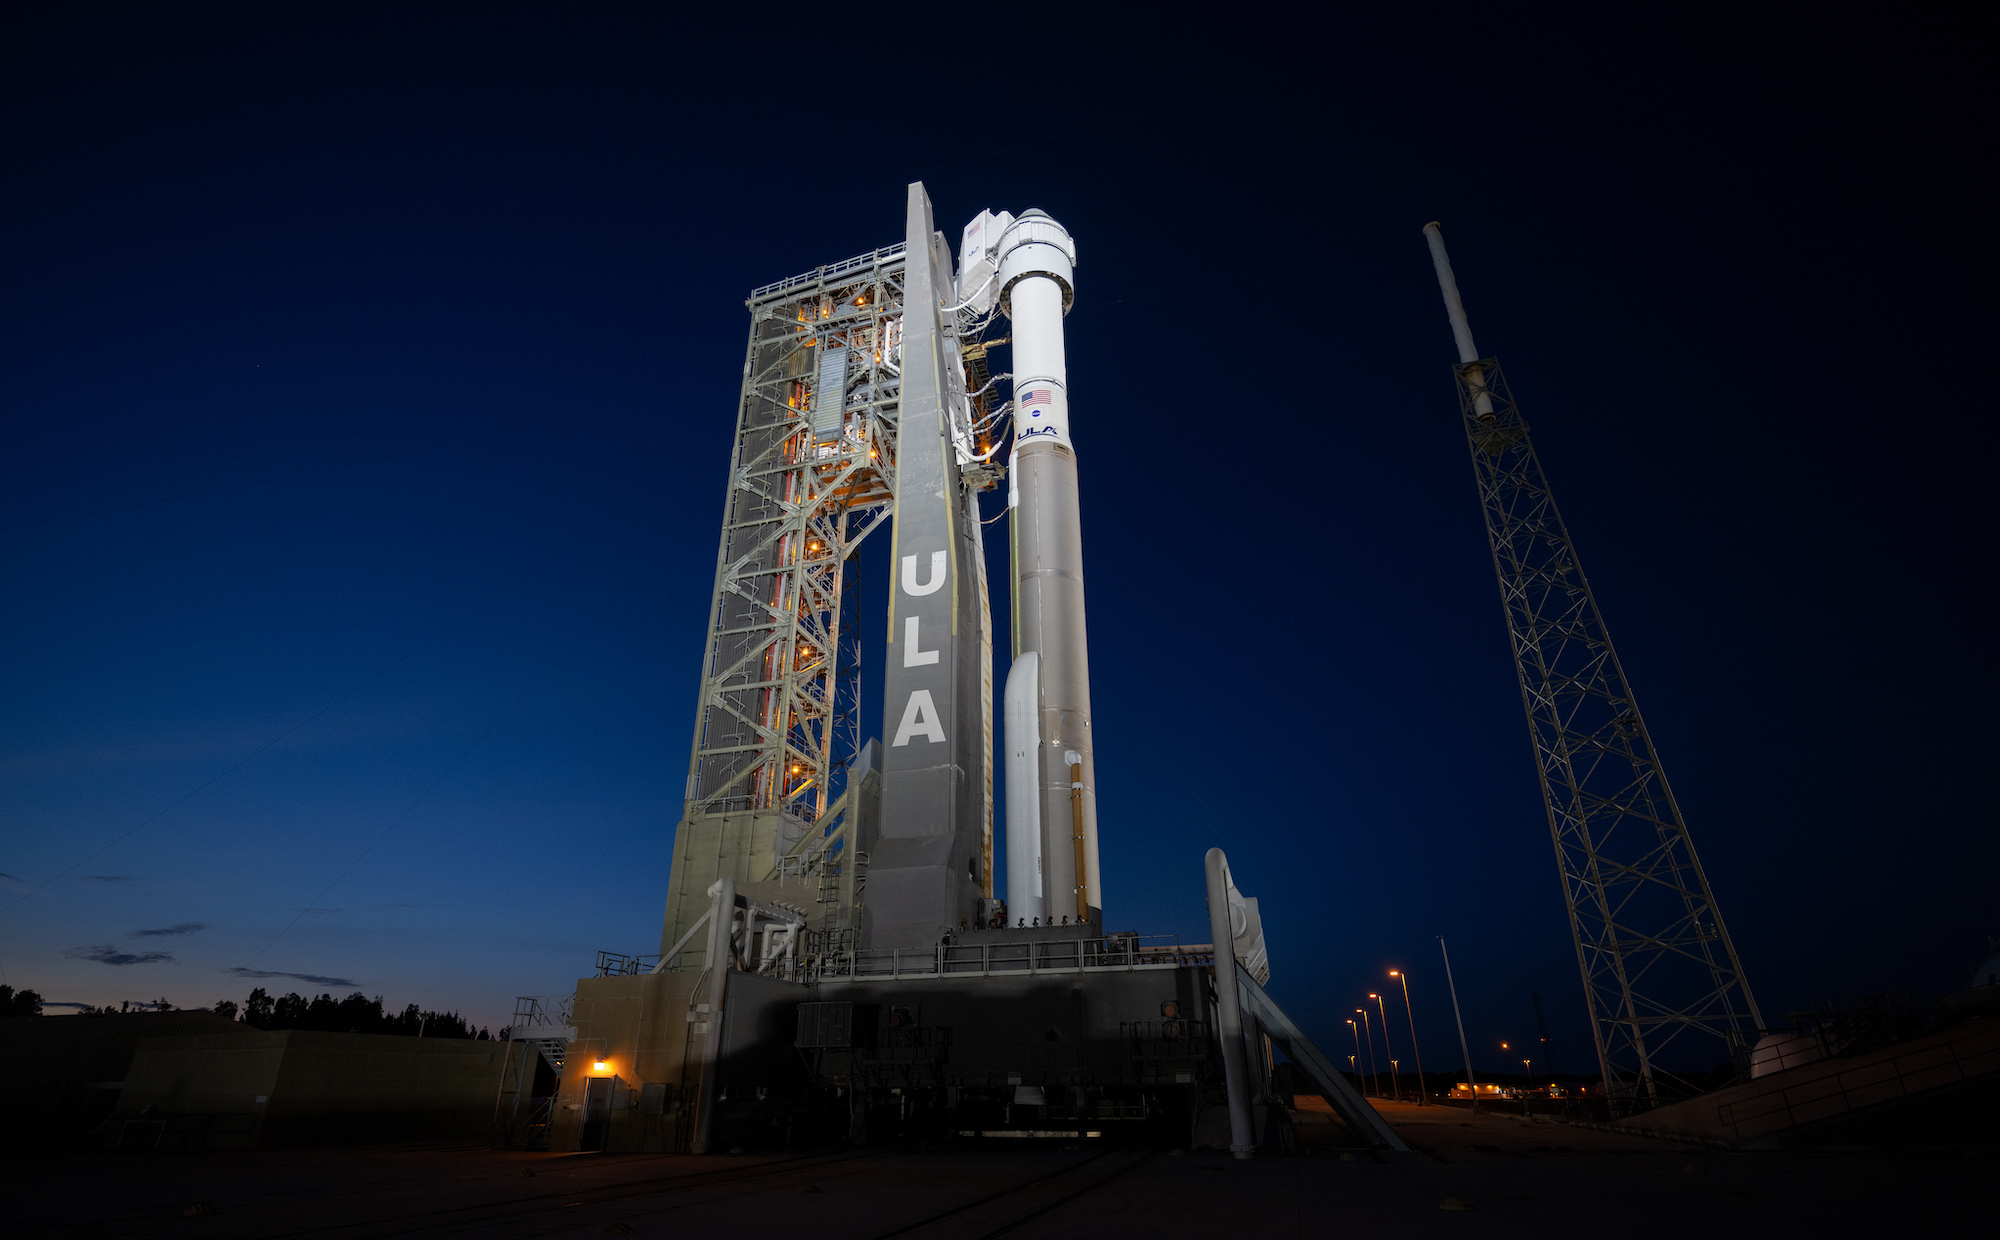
(1395, 1081)
(1458, 1016)
(1374, 1064)
(1404, 978)
(1355, 1058)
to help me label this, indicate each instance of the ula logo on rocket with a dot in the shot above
(920, 713)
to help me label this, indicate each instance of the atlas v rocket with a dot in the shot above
(1051, 829)
(925, 869)
(847, 887)
(1051, 767)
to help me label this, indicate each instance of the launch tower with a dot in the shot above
(773, 791)
(866, 399)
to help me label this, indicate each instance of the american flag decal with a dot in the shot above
(1036, 396)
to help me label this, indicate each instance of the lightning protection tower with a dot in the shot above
(1656, 959)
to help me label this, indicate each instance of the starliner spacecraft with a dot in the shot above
(836, 961)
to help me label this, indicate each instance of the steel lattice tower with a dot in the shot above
(812, 474)
(1655, 956)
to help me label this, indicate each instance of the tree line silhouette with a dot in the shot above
(357, 1013)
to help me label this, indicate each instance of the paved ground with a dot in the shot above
(1518, 1178)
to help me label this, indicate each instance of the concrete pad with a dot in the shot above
(1518, 1178)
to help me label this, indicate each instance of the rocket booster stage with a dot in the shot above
(1036, 262)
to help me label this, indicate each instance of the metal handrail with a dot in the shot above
(872, 258)
(1117, 953)
(618, 964)
(532, 1010)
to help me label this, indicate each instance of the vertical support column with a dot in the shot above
(977, 682)
(721, 959)
(1229, 1034)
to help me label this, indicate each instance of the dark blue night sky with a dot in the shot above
(367, 381)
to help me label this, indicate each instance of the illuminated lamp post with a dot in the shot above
(1404, 978)
(1459, 1016)
(1395, 1079)
(1374, 1064)
(1363, 1077)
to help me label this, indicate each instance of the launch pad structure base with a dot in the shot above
(1123, 1052)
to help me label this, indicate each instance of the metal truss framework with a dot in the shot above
(812, 473)
(1655, 956)
(811, 476)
